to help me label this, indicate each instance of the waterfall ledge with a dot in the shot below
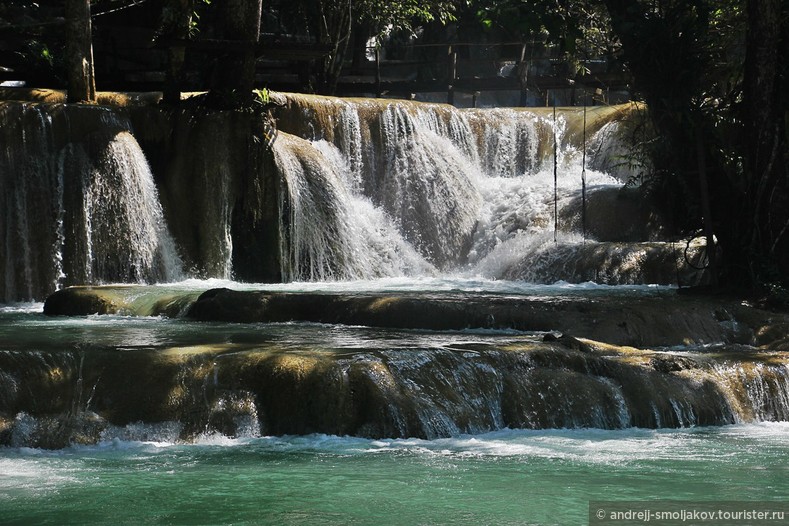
(429, 365)
(616, 316)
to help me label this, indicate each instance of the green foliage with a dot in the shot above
(715, 116)
(580, 28)
(262, 96)
(40, 52)
(194, 19)
(404, 15)
(181, 18)
(316, 17)
(349, 24)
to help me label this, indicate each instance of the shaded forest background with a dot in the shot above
(714, 75)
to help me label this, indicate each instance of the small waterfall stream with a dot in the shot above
(125, 236)
(332, 232)
(79, 206)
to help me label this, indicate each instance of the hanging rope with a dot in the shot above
(583, 175)
(583, 157)
(555, 176)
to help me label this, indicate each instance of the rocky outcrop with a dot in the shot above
(402, 366)
(59, 397)
(663, 318)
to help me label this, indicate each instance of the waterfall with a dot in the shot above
(472, 191)
(329, 232)
(438, 386)
(79, 203)
(345, 189)
(352, 190)
(29, 189)
(125, 235)
(414, 162)
(508, 140)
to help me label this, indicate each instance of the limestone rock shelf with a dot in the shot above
(620, 317)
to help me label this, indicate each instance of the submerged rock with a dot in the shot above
(81, 301)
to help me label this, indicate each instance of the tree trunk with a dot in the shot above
(361, 35)
(661, 54)
(235, 75)
(176, 19)
(665, 52)
(79, 52)
(765, 154)
(336, 23)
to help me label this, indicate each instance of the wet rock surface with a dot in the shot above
(407, 368)
(57, 398)
(654, 320)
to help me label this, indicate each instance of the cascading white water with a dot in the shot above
(372, 189)
(126, 236)
(507, 140)
(331, 232)
(29, 188)
(427, 180)
(517, 222)
(79, 203)
(472, 190)
(367, 188)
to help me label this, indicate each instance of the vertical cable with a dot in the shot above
(555, 176)
(583, 176)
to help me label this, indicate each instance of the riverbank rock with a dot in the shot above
(661, 318)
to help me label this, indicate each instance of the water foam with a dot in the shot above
(588, 446)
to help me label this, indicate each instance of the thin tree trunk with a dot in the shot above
(175, 32)
(762, 115)
(79, 52)
(335, 30)
(706, 209)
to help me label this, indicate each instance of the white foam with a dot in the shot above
(22, 308)
(31, 471)
(587, 446)
(459, 282)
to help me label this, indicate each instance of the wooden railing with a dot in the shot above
(129, 61)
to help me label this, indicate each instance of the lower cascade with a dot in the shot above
(383, 269)
(414, 385)
(382, 364)
(77, 211)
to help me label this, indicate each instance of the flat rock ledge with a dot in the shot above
(656, 320)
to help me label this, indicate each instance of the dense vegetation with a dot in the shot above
(713, 73)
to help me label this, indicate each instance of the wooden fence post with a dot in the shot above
(377, 72)
(452, 72)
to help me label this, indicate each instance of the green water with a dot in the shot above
(506, 477)
(141, 474)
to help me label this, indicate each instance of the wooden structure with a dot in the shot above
(131, 59)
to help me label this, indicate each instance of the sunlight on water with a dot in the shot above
(435, 202)
(506, 477)
(446, 283)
